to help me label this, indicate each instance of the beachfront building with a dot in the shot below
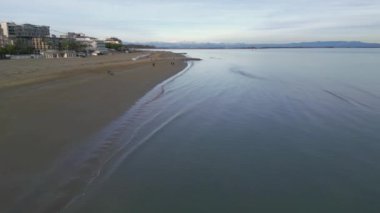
(72, 35)
(113, 40)
(99, 46)
(41, 44)
(90, 44)
(12, 30)
(85, 41)
(26, 35)
(2, 38)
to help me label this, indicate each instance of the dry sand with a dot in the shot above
(50, 106)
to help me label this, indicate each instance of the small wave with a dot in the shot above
(164, 85)
(140, 57)
(336, 96)
(137, 114)
(247, 75)
(363, 91)
(347, 100)
(133, 144)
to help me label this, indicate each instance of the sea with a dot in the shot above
(262, 130)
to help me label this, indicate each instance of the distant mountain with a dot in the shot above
(321, 44)
(139, 46)
(195, 45)
(318, 44)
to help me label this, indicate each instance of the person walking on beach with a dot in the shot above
(110, 72)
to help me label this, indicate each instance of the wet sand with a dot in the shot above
(48, 107)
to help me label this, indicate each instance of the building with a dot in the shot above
(2, 38)
(26, 35)
(12, 30)
(41, 44)
(85, 41)
(90, 44)
(36, 39)
(72, 35)
(99, 46)
(113, 40)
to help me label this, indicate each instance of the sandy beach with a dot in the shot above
(50, 106)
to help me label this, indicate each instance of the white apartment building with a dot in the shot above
(100, 46)
(92, 44)
(2, 38)
(113, 40)
(72, 35)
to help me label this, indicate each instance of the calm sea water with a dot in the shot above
(251, 131)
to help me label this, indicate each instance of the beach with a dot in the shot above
(50, 106)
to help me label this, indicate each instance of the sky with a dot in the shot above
(232, 21)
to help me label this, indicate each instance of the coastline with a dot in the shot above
(51, 106)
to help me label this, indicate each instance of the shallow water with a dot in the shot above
(293, 130)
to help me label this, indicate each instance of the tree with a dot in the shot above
(71, 44)
(114, 46)
(16, 49)
(20, 47)
(2, 51)
(8, 49)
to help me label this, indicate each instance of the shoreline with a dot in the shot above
(44, 115)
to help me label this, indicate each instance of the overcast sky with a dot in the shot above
(251, 21)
